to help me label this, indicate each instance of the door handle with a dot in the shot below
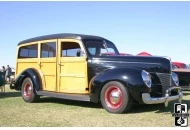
(60, 64)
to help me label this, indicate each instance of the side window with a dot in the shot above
(23, 52)
(48, 49)
(92, 50)
(33, 51)
(29, 51)
(70, 49)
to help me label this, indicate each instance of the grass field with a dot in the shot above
(58, 112)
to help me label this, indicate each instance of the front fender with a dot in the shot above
(129, 77)
(33, 74)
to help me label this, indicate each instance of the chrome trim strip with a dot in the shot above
(148, 100)
(97, 60)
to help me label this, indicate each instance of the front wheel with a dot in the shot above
(28, 92)
(115, 98)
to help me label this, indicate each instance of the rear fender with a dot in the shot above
(31, 73)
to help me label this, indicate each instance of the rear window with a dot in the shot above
(29, 51)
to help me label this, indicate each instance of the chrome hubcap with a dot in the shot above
(115, 97)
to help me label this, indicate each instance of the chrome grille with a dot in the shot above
(165, 80)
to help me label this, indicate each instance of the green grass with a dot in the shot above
(58, 112)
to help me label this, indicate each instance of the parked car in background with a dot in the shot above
(12, 77)
(184, 78)
(144, 53)
(181, 65)
(183, 72)
(73, 66)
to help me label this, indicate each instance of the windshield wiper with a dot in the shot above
(106, 47)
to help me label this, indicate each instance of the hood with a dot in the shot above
(150, 64)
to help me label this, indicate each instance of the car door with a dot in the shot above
(48, 64)
(72, 68)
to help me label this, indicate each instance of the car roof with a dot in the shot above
(59, 36)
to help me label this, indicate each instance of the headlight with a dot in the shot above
(146, 78)
(175, 78)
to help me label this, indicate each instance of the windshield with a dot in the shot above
(101, 48)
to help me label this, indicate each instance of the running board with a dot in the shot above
(78, 97)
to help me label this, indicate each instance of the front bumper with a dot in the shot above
(148, 100)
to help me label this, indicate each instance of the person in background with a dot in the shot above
(3, 70)
(8, 73)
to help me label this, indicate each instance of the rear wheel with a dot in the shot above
(28, 92)
(115, 98)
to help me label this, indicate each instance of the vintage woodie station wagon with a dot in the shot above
(75, 67)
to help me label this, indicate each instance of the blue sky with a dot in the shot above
(160, 28)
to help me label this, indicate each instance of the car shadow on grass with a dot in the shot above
(137, 108)
(70, 102)
(10, 94)
(157, 108)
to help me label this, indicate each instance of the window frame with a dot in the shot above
(69, 42)
(28, 51)
(48, 42)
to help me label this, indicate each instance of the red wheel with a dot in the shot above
(115, 97)
(28, 93)
(27, 90)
